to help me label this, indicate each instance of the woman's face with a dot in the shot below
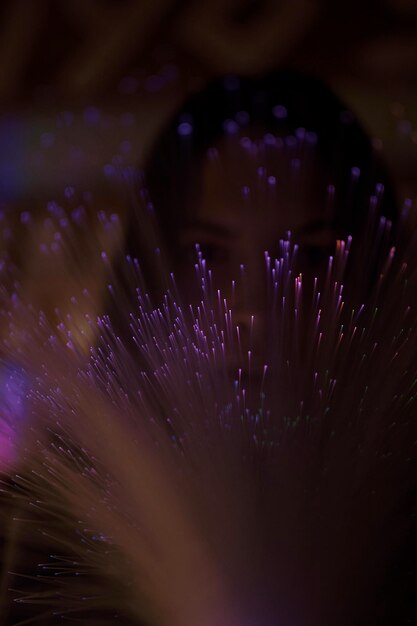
(251, 193)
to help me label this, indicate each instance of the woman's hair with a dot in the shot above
(281, 103)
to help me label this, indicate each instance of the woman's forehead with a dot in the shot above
(242, 182)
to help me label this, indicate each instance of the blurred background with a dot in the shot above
(86, 84)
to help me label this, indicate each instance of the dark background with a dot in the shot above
(142, 56)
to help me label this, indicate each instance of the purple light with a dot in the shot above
(185, 129)
(12, 412)
(300, 133)
(246, 143)
(311, 137)
(25, 217)
(269, 139)
(47, 140)
(280, 112)
(109, 170)
(69, 192)
(91, 116)
(78, 214)
(231, 127)
(53, 207)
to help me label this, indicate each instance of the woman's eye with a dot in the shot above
(315, 255)
(213, 253)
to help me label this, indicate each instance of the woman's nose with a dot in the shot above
(250, 310)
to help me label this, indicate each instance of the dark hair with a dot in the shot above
(281, 102)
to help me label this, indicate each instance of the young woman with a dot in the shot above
(244, 163)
